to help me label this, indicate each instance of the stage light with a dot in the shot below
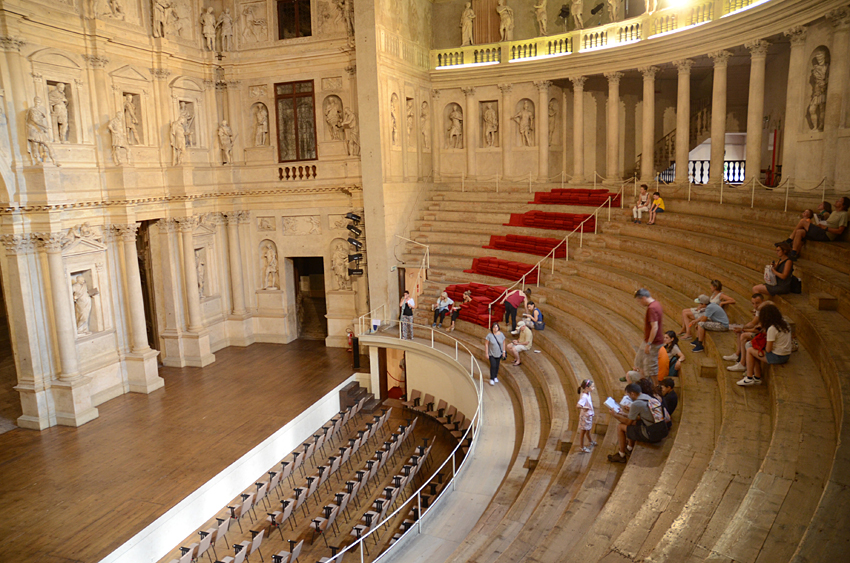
(355, 243)
(355, 257)
(355, 271)
(353, 217)
(357, 232)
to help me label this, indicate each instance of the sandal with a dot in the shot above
(517, 364)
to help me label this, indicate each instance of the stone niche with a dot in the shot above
(187, 95)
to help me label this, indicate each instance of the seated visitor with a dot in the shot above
(669, 398)
(523, 344)
(534, 317)
(689, 315)
(644, 422)
(663, 363)
(743, 334)
(782, 269)
(641, 205)
(457, 307)
(776, 348)
(675, 357)
(656, 207)
(832, 228)
(441, 308)
(713, 318)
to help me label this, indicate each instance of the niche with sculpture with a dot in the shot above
(87, 311)
(132, 108)
(84, 253)
(489, 125)
(259, 125)
(60, 102)
(524, 119)
(395, 135)
(454, 126)
(339, 265)
(269, 268)
(554, 137)
(332, 110)
(818, 82)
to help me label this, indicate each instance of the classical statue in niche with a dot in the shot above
(178, 141)
(553, 119)
(424, 125)
(201, 268)
(576, 9)
(352, 133)
(119, 139)
(187, 112)
(542, 17)
(339, 265)
(613, 9)
(506, 20)
(37, 139)
(333, 117)
(208, 24)
(225, 140)
(819, 79)
(491, 125)
(225, 22)
(394, 119)
(270, 273)
(161, 10)
(466, 25)
(454, 134)
(82, 304)
(411, 120)
(525, 124)
(261, 125)
(131, 119)
(59, 109)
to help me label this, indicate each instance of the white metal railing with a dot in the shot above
(566, 241)
(755, 182)
(415, 499)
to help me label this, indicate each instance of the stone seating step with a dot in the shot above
(511, 206)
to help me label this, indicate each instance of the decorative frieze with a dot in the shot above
(96, 61)
(18, 244)
(160, 73)
(8, 43)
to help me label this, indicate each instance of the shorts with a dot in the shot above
(633, 432)
(714, 327)
(817, 233)
(648, 363)
(774, 359)
(521, 348)
(659, 210)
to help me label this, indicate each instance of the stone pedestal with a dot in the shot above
(142, 372)
(44, 184)
(72, 402)
(181, 180)
(197, 350)
(342, 313)
(37, 406)
(275, 320)
(240, 329)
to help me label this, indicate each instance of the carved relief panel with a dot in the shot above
(301, 225)
(58, 80)
(253, 28)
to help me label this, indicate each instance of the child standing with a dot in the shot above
(585, 417)
(656, 207)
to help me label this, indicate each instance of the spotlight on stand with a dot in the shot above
(596, 9)
(354, 230)
(355, 257)
(355, 271)
(353, 217)
(355, 243)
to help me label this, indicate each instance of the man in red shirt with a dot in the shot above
(646, 359)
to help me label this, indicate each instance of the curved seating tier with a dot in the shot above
(752, 473)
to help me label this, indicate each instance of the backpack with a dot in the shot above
(796, 285)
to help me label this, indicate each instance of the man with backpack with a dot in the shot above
(644, 420)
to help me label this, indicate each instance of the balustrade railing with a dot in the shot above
(640, 28)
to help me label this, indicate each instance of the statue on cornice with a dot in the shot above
(208, 25)
(37, 142)
(506, 21)
(225, 22)
(119, 139)
(225, 139)
(352, 133)
(466, 25)
(651, 6)
(576, 10)
(613, 9)
(178, 141)
(161, 9)
(542, 17)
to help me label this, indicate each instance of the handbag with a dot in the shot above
(769, 276)
(501, 352)
(759, 341)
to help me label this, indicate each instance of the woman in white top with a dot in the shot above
(778, 348)
(441, 309)
(717, 297)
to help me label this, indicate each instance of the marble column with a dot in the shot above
(613, 134)
(190, 273)
(64, 320)
(718, 117)
(504, 120)
(647, 155)
(683, 120)
(470, 137)
(578, 129)
(838, 71)
(237, 289)
(436, 135)
(142, 372)
(542, 130)
(17, 99)
(794, 110)
(755, 108)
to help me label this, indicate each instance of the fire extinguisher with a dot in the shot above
(350, 340)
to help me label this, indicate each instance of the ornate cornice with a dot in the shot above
(96, 61)
(160, 73)
(18, 244)
(684, 65)
(840, 17)
(613, 77)
(8, 43)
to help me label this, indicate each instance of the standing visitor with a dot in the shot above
(494, 348)
(646, 359)
(407, 307)
(585, 414)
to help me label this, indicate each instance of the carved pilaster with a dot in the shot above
(614, 77)
(126, 232)
(505, 88)
(797, 35)
(351, 70)
(578, 82)
(840, 17)
(542, 85)
(648, 72)
(244, 216)
(758, 48)
(51, 242)
(684, 65)
(167, 225)
(8, 43)
(720, 58)
(468, 91)
(187, 224)
(18, 244)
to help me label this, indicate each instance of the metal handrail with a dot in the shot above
(474, 428)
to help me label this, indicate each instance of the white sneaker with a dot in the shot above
(515, 331)
(737, 367)
(747, 381)
(731, 358)
(585, 450)
(496, 380)
(492, 382)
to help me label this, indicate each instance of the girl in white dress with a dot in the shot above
(585, 414)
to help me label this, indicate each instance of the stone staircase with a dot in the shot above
(749, 475)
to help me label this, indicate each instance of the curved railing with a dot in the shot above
(614, 34)
(391, 329)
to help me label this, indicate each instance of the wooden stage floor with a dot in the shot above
(77, 494)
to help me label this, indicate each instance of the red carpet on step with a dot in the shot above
(528, 245)
(482, 296)
(577, 196)
(496, 267)
(555, 221)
